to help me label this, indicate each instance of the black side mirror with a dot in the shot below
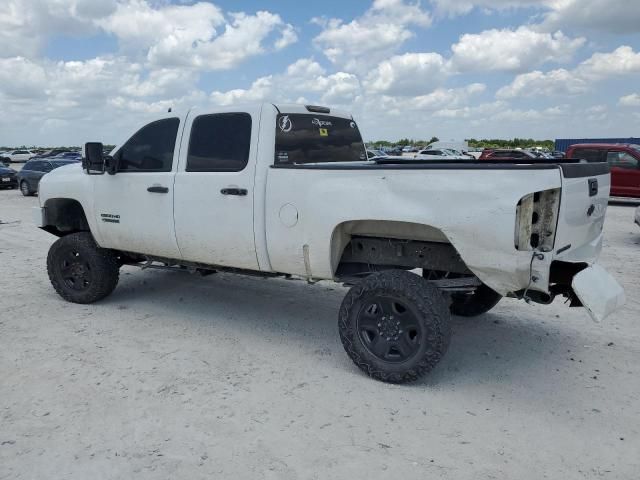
(93, 160)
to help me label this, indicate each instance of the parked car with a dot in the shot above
(51, 153)
(288, 190)
(19, 155)
(557, 154)
(375, 154)
(624, 160)
(439, 154)
(77, 156)
(30, 175)
(8, 177)
(502, 154)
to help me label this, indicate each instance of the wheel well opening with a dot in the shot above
(64, 216)
(363, 247)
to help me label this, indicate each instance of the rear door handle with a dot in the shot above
(234, 191)
(158, 189)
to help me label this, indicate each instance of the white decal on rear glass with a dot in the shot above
(321, 123)
(285, 124)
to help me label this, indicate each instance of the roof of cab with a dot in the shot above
(310, 109)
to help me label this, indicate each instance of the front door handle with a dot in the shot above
(158, 189)
(234, 191)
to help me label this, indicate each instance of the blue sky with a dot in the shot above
(78, 70)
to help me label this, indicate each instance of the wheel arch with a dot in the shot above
(64, 216)
(383, 229)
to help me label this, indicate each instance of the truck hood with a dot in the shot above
(59, 179)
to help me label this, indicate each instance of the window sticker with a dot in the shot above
(285, 124)
(321, 123)
(324, 132)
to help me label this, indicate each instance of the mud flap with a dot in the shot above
(598, 291)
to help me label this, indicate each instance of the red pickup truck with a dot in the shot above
(624, 160)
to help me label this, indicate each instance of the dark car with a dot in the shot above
(502, 154)
(8, 177)
(624, 160)
(50, 153)
(30, 175)
(67, 156)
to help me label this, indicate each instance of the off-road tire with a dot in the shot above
(100, 266)
(474, 304)
(429, 308)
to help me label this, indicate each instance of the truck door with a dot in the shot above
(625, 173)
(134, 207)
(214, 197)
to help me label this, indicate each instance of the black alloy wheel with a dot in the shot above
(389, 329)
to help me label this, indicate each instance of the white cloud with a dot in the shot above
(631, 100)
(537, 83)
(408, 74)
(623, 60)
(302, 79)
(461, 7)
(196, 36)
(612, 16)
(512, 50)
(26, 24)
(600, 66)
(374, 36)
(441, 98)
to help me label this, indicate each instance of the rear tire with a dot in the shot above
(475, 303)
(395, 326)
(471, 304)
(80, 271)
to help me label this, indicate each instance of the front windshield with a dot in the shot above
(314, 138)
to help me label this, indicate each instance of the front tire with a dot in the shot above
(80, 271)
(25, 188)
(395, 326)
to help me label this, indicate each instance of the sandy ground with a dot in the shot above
(176, 376)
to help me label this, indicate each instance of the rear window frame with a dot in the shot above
(296, 118)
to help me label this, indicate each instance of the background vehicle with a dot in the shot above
(375, 154)
(29, 177)
(8, 177)
(439, 154)
(624, 160)
(76, 156)
(19, 155)
(51, 153)
(277, 190)
(501, 154)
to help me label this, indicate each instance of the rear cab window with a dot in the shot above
(317, 138)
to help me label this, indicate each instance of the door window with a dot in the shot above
(621, 159)
(34, 166)
(219, 143)
(150, 149)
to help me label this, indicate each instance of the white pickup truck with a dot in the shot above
(281, 190)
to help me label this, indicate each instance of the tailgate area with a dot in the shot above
(585, 196)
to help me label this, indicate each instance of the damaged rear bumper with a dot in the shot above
(598, 291)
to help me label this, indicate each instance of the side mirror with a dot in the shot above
(93, 160)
